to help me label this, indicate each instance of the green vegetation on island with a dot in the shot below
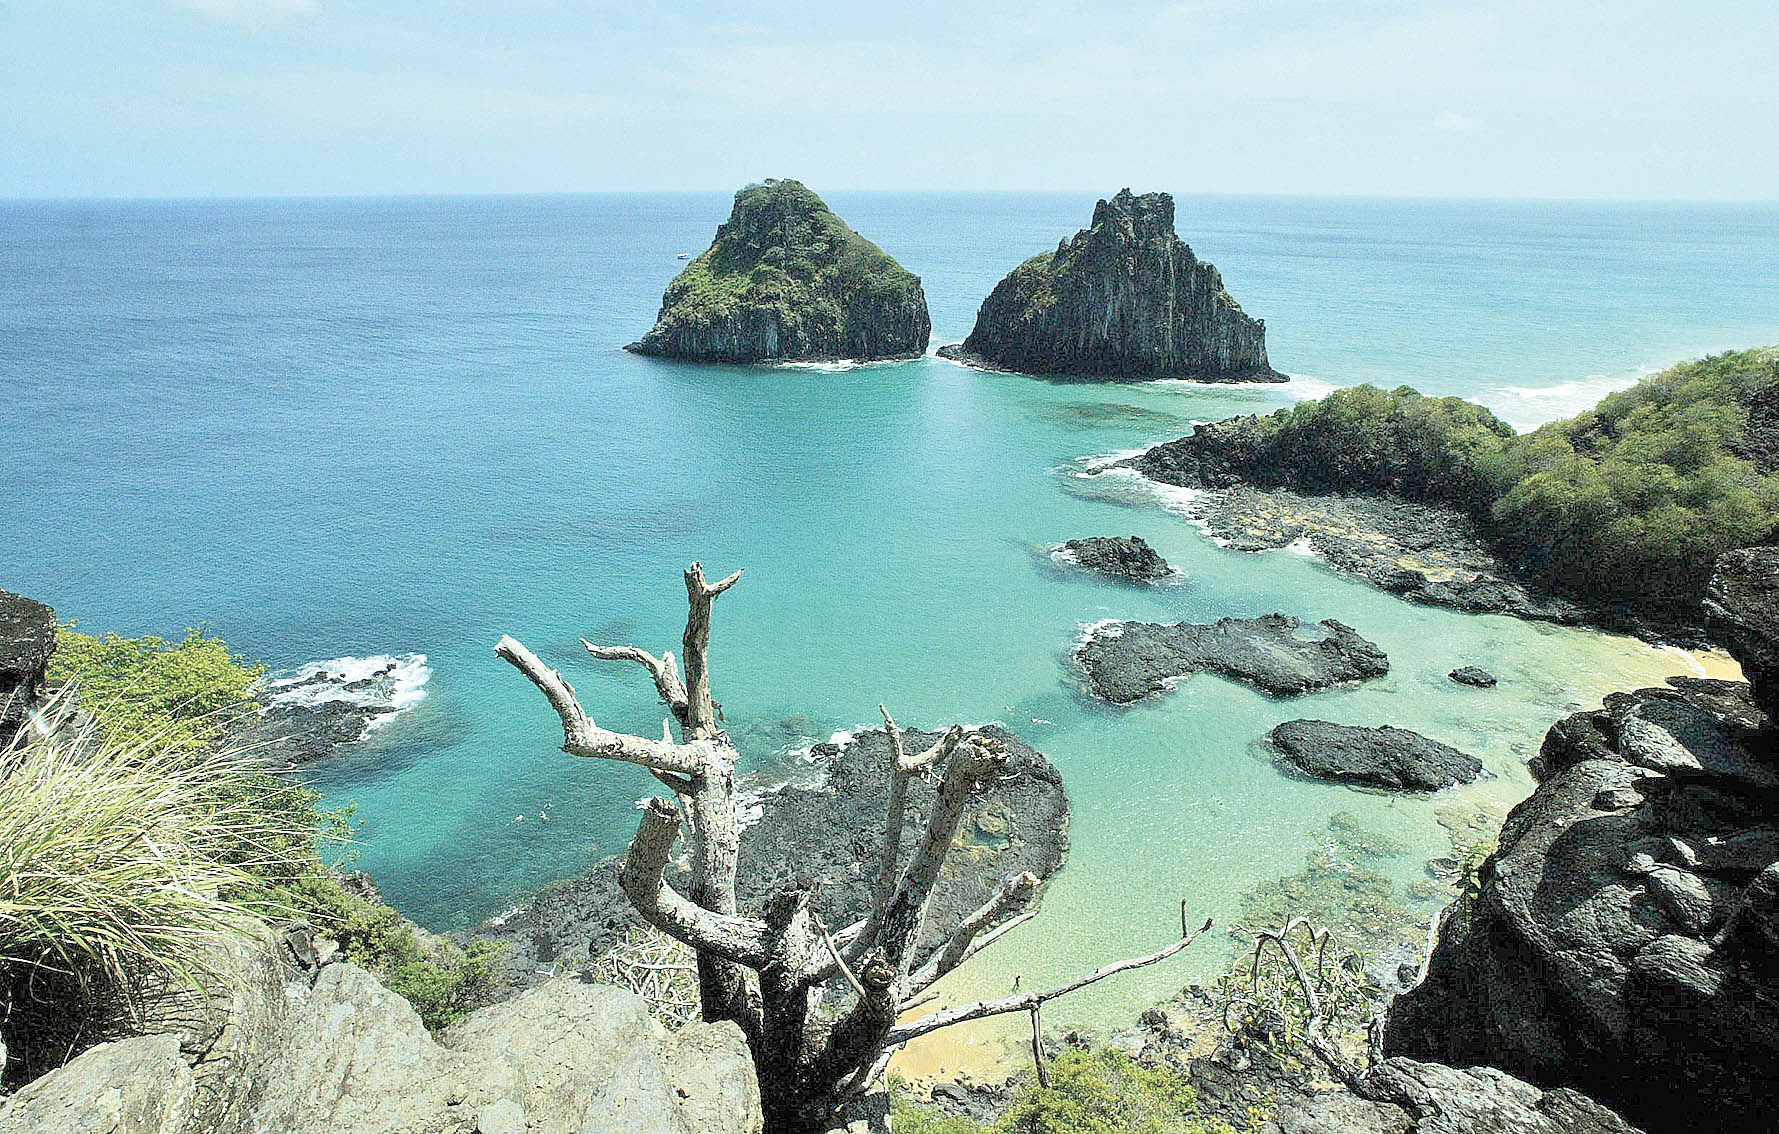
(1624, 507)
(786, 279)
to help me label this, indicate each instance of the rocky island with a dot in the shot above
(1123, 299)
(1127, 661)
(1127, 558)
(1385, 757)
(786, 280)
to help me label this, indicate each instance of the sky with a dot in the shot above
(1638, 99)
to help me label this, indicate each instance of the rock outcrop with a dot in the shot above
(1127, 661)
(330, 1050)
(1474, 676)
(1624, 939)
(1384, 757)
(828, 831)
(787, 280)
(27, 639)
(1124, 299)
(1130, 558)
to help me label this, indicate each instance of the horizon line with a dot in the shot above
(125, 198)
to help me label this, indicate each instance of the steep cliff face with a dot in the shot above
(787, 280)
(1624, 940)
(1123, 299)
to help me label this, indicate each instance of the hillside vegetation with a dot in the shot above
(1623, 507)
(139, 839)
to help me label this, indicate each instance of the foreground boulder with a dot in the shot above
(1624, 939)
(1127, 661)
(335, 1050)
(1384, 757)
(1019, 823)
(1128, 557)
(1124, 299)
(27, 639)
(784, 280)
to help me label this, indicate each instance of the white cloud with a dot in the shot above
(1451, 122)
(252, 13)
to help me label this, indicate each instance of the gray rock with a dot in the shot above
(502, 1116)
(27, 639)
(1124, 299)
(1742, 611)
(1127, 661)
(1473, 676)
(1128, 558)
(1383, 757)
(1596, 952)
(134, 1086)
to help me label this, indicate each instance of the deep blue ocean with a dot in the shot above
(347, 428)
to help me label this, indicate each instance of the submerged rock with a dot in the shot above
(1126, 557)
(1622, 940)
(1127, 661)
(785, 279)
(1379, 757)
(27, 639)
(829, 832)
(1124, 299)
(1473, 676)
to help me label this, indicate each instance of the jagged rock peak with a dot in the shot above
(787, 280)
(1122, 299)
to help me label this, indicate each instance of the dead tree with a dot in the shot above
(766, 972)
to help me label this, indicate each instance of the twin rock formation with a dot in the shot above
(787, 280)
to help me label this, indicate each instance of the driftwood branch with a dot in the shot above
(644, 880)
(1025, 1002)
(581, 737)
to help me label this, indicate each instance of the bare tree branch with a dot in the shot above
(643, 878)
(581, 737)
(700, 719)
(1013, 895)
(975, 761)
(661, 670)
(889, 854)
(1024, 1002)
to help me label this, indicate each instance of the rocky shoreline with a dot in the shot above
(1019, 824)
(1624, 939)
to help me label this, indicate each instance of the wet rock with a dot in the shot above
(27, 639)
(1473, 676)
(1127, 661)
(1124, 299)
(1128, 558)
(1383, 757)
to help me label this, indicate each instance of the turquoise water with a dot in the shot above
(330, 428)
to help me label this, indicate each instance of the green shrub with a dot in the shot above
(1097, 1092)
(168, 706)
